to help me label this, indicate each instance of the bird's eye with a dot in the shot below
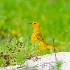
(34, 23)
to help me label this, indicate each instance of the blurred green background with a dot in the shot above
(52, 15)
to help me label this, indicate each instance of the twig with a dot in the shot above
(54, 49)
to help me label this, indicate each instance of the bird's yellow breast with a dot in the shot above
(33, 38)
(34, 34)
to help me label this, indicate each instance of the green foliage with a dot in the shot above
(15, 52)
(57, 66)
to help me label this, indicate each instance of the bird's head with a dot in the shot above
(35, 24)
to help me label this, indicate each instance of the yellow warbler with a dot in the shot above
(36, 35)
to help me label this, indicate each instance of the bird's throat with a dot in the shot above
(36, 29)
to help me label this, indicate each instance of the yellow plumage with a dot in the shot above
(35, 32)
(36, 35)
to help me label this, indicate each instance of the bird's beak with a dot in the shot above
(30, 23)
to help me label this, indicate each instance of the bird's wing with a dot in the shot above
(40, 38)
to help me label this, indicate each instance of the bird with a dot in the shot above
(36, 35)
